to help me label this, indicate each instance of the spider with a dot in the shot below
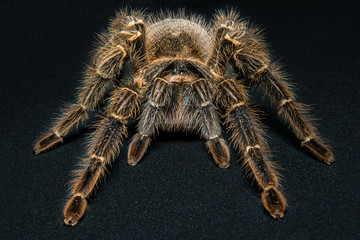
(175, 72)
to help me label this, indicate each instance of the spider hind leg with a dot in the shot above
(294, 113)
(319, 150)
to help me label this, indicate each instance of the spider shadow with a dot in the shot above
(82, 132)
(177, 139)
(280, 128)
(165, 136)
(271, 121)
(273, 126)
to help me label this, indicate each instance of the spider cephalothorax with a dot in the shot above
(174, 72)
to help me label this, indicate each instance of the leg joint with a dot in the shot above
(134, 21)
(118, 117)
(238, 104)
(205, 104)
(101, 159)
(58, 135)
(228, 24)
(79, 194)
(307, 139)
(247, 149)
(284, 101)
(213, 137)
(154, 104)
(261, 69)
(125, 89)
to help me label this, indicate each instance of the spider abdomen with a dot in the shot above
(178, 38)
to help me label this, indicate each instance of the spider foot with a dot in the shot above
(137, 148)
(46, 143)
(219, 151)
(74, 210)
(320, 151)
(274, 202)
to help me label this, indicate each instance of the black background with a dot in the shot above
(177, 192)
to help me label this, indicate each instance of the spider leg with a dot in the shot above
(104, 147)
(137, 148)
(242, 48)
(209, 122)
(151, 117)
(247, 137)
(114, 51)
(294, 113)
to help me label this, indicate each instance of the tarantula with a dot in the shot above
(176, 72)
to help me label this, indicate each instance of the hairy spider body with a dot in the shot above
(174, 73)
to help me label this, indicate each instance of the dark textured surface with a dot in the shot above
(177, 192)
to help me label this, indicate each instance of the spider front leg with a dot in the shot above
(247, 137)
(106, 65)
(151, 117)
(104, 147)
(209, 123)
